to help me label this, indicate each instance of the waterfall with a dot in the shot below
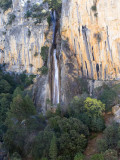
(53, 17)
(55, 61)
(56, 80)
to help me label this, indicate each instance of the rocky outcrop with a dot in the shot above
(91, 30)
(20, 39)
(116, 113)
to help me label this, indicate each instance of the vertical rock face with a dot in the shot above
(90, 28)
(87, 45)
(20, 46)
(22, 39)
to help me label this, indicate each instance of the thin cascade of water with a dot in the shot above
(56, 69)
(56, 79)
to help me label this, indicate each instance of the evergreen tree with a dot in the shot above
(53, 149)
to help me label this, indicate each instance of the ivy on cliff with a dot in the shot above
(44, 55)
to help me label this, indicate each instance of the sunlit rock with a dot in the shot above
(116, 113)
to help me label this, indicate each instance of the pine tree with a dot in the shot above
(53, 149)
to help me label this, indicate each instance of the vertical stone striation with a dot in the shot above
(20, 40)
(91, 29)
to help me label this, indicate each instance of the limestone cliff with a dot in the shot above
(86, 43)
(91, 29)
(20, 38)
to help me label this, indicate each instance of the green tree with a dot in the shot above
(41, 145)
(17, 91)
(108, 97)
(5, 100)
(94, 107)
(110, 139)
(53, 149)
(4, 86)
(77, 106)
(71, 136)
(71, 143)
(21, 108)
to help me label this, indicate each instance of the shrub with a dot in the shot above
(111, 138)
(28, 14)
(49, 20)
(97, 157)
(97, 36)
(36, 54)
(79, 156)
(11, 18)
(108, 97)
(44, 53)
(94, 8)
(43, 70)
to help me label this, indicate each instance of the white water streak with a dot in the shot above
(56, 80)
(56, 69)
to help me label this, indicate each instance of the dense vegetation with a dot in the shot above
(57, 136)
(61, 135)
(54, 4)
(10, 85)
